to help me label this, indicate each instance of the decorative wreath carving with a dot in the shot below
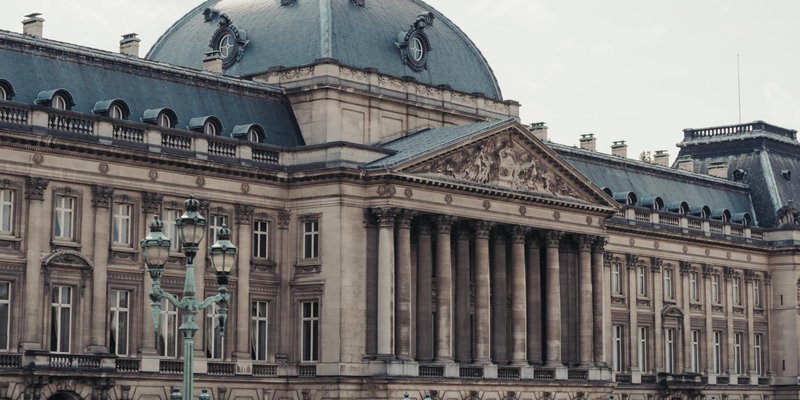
(228, 40)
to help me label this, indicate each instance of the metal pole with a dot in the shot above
(189, 326)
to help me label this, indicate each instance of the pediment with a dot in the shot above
(509, 159)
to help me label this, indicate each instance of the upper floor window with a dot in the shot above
(757, 293)
(311, 239)
(310, 331)
(617, 351)
(715, 294)
(693, 290)
(643, 356)
(758, 348)
(168, 330)
(215, 346)
(668, 291)
(737, 353)
(616, 278)
(717, 352)
(61, 319)
(6, 211)
(5, 315)
(164, 121)
(59, 102)
(694, 352)
(253, 136)
(171, 228)
(736, 289)
(669, 350)
(214, 225)
(118, 324)
(64, 218)
(3, 93)
(258, 330)
(122, 224)
(641, 280)
(261, 239)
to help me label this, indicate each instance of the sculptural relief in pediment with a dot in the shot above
(502, 161)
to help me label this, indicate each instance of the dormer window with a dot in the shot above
(59, 102)
(253, 136)
(116, 109)
(59, 99)
(253, 133)
(163, 117)
(6, 90)
(164, 121)
(116, 112)
(209, 125)
(3, 93)
(209, 128)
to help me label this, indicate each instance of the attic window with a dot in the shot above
(59, 102)
(253, 133)
(164, 121)
(164, 117)
(116, 112)
(3, 93)
(253, 136)
(6, 90)
(209, 128)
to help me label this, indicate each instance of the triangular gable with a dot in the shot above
(509, 158)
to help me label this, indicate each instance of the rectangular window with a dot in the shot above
(618, 348)
(737, 298)
(616, 278)
(214, 225)
(757, 293)
(168, 330)
(643, 349)
(311, 239)
(717, 352)
(758, 353)
(694, 355)
(63, 227)
(668, 295)
(669, 350)
(215, 348)
(715, 289)
(171, 228)
(258, 330)
(122, 224)
(5, 315)
(641, 280)
(737, 353)
(693, 292)
(261, 239)
(310, 326)
(61, 319)
(120, 311)
(6, 211)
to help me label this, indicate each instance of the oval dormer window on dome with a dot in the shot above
(209, 128)
(116, 112)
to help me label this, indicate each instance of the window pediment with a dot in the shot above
(67, 258)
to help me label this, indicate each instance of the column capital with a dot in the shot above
(608, 258)
(35, 187)
(385, 216)
(686, 268)
(518, 233)
(483, 229)
(553, 238)
(656, 264)
(534, 239)
(444, 223)
(728, 272)
(151, 202)
(405, 217)
(244, 213)
(599, 243)
(284, 217)
(463, 231)
(101, 196)
(707, 270)
(632, 260)
(768, 278)
(749, 275)
(584, 242)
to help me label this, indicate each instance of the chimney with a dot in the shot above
(619, 149)
(213, 62)
(718, 169)
(685, 163)
(588, 142)
(661, 158)
(33, 25)
(129, 45)
(539, 130)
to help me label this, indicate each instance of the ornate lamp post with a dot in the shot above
(155, 249)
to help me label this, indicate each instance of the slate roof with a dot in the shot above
(34, 65)
(431, 140)
(761, 150)
(308, 30)
(622, 175)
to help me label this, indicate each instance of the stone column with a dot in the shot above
(709, 333)
(386, 218)
(658, 326)
(598, 293)
(519, 324)
(37, 227)
(729, 275)
(462, 289)
(444, 290)
(425, 290)
(499, 300)
(749, 275)
(686, 269)
(102, 200)
(403, 285)
(533, 284)
(553, 293)
(585, 333)
(633, 314)
(244, 222)
(483, 337)
(286, 339)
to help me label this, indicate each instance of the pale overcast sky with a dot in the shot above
(630, 70)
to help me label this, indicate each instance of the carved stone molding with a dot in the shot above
(243, 214)
(728, 272)
(102, 196)
(631, 260)
(749, 275)
(518, 233)
(151, 202)
(405, 217)
(35, 187)
(599, 244)
(608, 258)
(385, 216)
(584, 242)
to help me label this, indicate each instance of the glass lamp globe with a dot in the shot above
(191, 225)
(155, 246)
(223, 252)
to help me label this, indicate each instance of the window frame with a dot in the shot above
(736, 291)
(757, 303)
(115, 309)
(4, 93)
(255, 330)
(670, 335)
(643, 352)
(616, 269)
(6, 347)
(118, 218)
(77, 202)
(737, 352)
(171, 228)
(168, 310)
(694, 287)
(641, 281)
(215, 338)
(668, 281)
(210, 128)
(716, 295)
(214, 225)
(316, 239)
(617, 348)
(257, 244)
(758, 353)
(314, 322)
(694, 352)
(11, 203)
(59, 102)
(716, 351)
(57, 340)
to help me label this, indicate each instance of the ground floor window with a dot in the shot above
(310, 331)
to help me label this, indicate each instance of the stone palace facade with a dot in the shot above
(400, 231)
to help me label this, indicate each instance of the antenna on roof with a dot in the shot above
(739, 87)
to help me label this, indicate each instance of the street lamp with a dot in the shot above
(191, 228)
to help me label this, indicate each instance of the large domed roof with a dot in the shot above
(356, 33)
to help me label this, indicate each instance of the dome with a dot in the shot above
(259, 35)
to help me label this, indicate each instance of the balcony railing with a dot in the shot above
(170, 366)
(689, 223)
(13, 115)
(70, 123)
(471, 372)
(739, 129)
(74, 361)
(508, 373)
(431, 371)
(10, 360)
(265, 370)
(544, 374)
(577, 375)
(307, 371)
(217, 368)
(129, 365)
(128, 134)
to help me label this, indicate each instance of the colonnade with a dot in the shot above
(489, 291)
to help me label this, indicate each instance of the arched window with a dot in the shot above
(59, 102)
(253, 136)
(3, 93)
(163, 117)
(253, 133)
(116, 112)
(164, 120)
(209, 128)
(209, 125)
(6, 90)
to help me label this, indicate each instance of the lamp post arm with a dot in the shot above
(217, 298)
(158, 293)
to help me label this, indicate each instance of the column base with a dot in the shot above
(554, 364)
(402, 368)
(386, 357)
(586, 364)
(29, 346)
(481, 362)
(95, 349)
(519, 363)
(443, 360)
